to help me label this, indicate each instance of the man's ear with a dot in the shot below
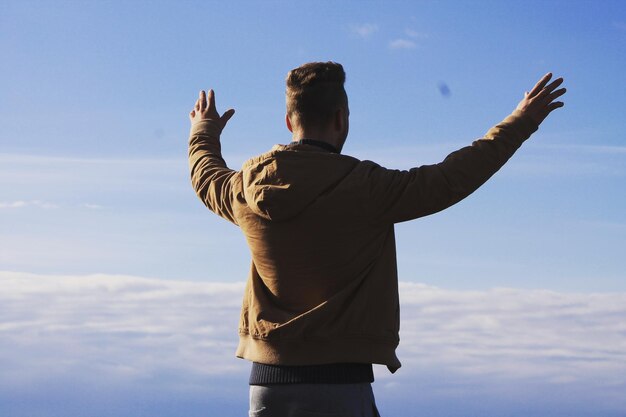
(288, 123)
(340, 119)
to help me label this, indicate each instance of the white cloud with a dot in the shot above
(414, 34)
(512, 333)
(13, 204)
(41, 204)
(111, 329)
(364, 30)
(116, 325)
(29, 203)
(408, 42)
(402, 44)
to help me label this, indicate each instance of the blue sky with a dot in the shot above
(93, 130)
(93, 140)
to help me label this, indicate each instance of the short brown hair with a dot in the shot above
(314, 92)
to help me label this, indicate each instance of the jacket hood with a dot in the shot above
(280, 184)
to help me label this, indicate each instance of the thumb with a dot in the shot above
(226, 116)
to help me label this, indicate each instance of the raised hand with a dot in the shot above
(539, 102)
(204, 110)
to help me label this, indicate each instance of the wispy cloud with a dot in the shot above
(170, 337)
(90, 179)
(590, 149)
(409, 41)
(570, 160)
(92, 206)
(415, 34)
(402, 44)
(46, 205)
(136, 214)
(364, 30)
(539, 159)
(30, 203)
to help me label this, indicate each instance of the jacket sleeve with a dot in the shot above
(212, 180)
(396, 196)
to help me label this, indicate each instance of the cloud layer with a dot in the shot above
(146, 343)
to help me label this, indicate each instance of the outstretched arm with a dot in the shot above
(404, 195)
(211, 178)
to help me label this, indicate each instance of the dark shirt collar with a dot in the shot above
(320, 144)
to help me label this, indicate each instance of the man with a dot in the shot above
(321, 301)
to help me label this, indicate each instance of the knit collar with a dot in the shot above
(320, 144)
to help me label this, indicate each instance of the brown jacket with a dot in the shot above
(323, 285)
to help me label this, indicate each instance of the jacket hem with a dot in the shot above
(299, 352)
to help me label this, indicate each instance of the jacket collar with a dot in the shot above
(320, 144)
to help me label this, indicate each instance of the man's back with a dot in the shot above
(319, 225)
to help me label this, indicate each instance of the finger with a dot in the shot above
(192, 113)
(554, 84)
(226, 116)
(211, 99)
(540, 84)
(556, 94)
(202, 99)
(550, 108)
(545, 98)
(555, 105)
